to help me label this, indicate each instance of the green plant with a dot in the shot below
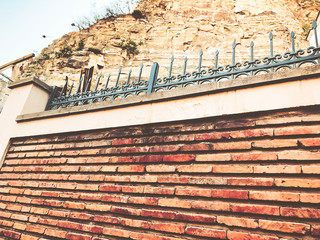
(94, 50)
(306, 28)
(65, 51)
(130, 46)
(80, 45)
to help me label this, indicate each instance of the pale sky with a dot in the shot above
(23, 22)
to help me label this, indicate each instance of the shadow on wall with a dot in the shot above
(4, 93)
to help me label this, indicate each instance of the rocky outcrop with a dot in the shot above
(179, 27)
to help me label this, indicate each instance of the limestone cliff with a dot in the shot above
(179, 27)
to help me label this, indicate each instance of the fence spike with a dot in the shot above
(171, 65)
(251, 50)
(129, 75)
(107, 82)
(140, 73)
(292, 34)
(271, 44)
(71, 88)
(79, 87)
(95, 89)
(118, 77)
(200, 60)
(64, 89)
(234, 52)
(216, 60)
(314, 26)
(185, 65)
(88, 85)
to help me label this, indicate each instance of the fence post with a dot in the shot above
(153, 77)
(51, 97)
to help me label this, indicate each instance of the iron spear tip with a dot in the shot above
(292, 34)
(201, 52)
(270, 35)
(234, 44)
(217, 52)
(172, 58)
(314, 24)
(251, 44)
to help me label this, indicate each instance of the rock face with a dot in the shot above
(179, 27)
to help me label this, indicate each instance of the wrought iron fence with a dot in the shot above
(291, 59)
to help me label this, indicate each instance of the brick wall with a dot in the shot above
(237, 177)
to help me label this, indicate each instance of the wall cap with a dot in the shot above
(30, 80)
(205, 89)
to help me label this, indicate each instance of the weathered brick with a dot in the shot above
(202, 218)
(310, 197)
(251, 133)
(55, 233)
(275, 143)
(289, 227)
(70, 225)
(298, 155)
(143, 200)
(298, 183)
(217, 157)
(28, 237)
(251, 181)
(19, 226)
(164, 148)
(131, 168)
(211, 205)
(274, 196)
(135, 223)
(208, 180)
(159, 190)
(193, 192)
(126, 211)
(106, 219)
(147, 236)
(11, 234)
(207, 232)
(172, 179)
(238, 222)
(168, 227)
(110, 188)
(300, 212)
(74, 205)
(296, 130)
(315, 230)
(255, 209)
(226, 193)
(254, 156)
(311, 169)
(98, 207)
(232, 169)
(158, 214)
(124, 141)
(35, 229)
(277, 169)
(178, 158)
(168, 202)
(160, 168)
(232, 235)
(116, 232)
(195, 168)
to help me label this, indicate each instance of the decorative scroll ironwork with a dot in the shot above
(291, 59)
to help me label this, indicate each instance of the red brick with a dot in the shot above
(311, 169)
(277, 169)
(98, 207)
(289, 227)
(298, 155)
(96, 178)
(164, 148)
(168, 227)
(19, 226)
(207, 232)
(178, 158)
(225, 193)
(254, 156)
(249, 236)
(87, 187)
(114, 198)
(79, 177)
(274, 196)
(66, 185)
(298, 183)
(126, 211)
(143, 200)
(133, 189)
(121, 159)
(70, 225)
(132, 168)
(109, 169)
(144, 178)
(250, 133)
(275, 143)
(145, 236)
(195, 168)
(251, 181)
(91, 196)
(212, 136)
(238, 222)
(255, 209)
(11, 234)
(117, 178)
(310, 142)
(74, 236)
(116, 232)
(211, 205)
(160, 168)
(124, 141)
(232, 145)
(74, 205)
(300, 212)
(172, 179)
(232, 169)
(135, 223)
(58, 213)
(297, 130)
(208, 180)
(35, 229)
(202, 218)
(82, 216)
(110, 188)
(219, 157)
(150, 158)
(193, 192)
(28, 237)
(310, 197)
(55, 233)
(159, 190)
(158, 214)
(106, 219)
(315, 230)
(20, 217)
(168, 202)
(234, 124)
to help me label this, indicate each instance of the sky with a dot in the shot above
(24, 22)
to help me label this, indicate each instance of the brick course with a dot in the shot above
(237, 177)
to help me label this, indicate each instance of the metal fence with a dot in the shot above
(83, 95)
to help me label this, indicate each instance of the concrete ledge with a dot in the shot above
(205, 89)
(31, 80)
